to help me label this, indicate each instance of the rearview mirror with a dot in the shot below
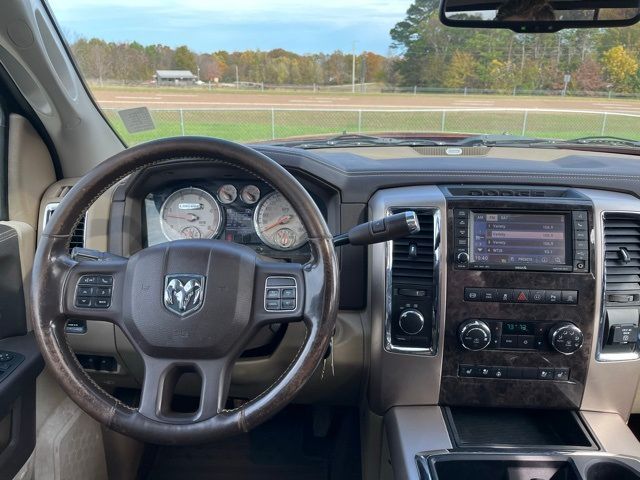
(539, 16)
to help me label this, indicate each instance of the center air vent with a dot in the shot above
(413, 256)
(622, 255)
(77, 239)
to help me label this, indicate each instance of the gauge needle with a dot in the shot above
(190, 217)
(283, 219)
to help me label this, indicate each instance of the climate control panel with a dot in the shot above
(480, 334)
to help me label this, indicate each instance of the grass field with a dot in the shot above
(246, 116)
(257, 125)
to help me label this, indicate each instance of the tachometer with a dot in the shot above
(277, 223)
(190, 213)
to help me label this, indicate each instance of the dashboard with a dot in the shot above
(500, 300)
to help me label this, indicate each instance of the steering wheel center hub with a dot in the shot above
(189, 298)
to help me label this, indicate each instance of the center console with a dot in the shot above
(520, 301)
(509, 327)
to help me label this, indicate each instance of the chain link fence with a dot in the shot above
(253, 125)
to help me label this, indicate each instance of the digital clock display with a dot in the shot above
(517, 328)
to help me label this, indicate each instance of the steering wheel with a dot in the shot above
(187, 305)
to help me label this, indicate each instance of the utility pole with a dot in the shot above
(353, 68)
(237, 78)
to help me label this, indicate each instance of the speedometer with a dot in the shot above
(277, 223)
(190, 213)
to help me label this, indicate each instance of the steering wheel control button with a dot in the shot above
(288, 293)
(84, 302)
(6, 357)
(273, 294)
(94, 291)
(280, 294)
(85, 291)
(288, 304)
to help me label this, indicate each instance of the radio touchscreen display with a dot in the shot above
(520, 241)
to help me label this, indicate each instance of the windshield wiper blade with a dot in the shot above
(603, 140)
(500, 140)
(356, 140)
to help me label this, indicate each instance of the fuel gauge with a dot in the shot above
(250, 194)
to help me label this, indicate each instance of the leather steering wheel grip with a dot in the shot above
(53, 264)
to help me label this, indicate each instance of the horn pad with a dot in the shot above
(189, 298)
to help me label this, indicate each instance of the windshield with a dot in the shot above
(285, 70)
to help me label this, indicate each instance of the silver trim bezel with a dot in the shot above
(214, 201)
(389, 346)
(267, 287)
(51, 207)
(600, 355)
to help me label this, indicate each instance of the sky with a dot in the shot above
(235, 25)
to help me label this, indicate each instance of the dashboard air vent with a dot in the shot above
(413, 256)
(77, 239)
(500, 191)
(622, 253)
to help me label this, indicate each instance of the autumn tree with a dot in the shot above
(461, 70)
(621, 67)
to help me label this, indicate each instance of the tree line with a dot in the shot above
(132, 62)
(424, 53)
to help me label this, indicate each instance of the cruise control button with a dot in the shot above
(288, 293)
(288, 304)
(272, 304)
(273, 294)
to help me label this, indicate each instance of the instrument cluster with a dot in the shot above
(250, 213)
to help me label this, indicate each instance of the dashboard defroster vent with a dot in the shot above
(622, 253)
(413, 256)
(78, 237)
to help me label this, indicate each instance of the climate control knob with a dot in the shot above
(475, 335)
(411, 321)
(566, 338)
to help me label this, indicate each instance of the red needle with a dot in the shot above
(280, 221)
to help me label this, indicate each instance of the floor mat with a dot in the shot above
(283, 448)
